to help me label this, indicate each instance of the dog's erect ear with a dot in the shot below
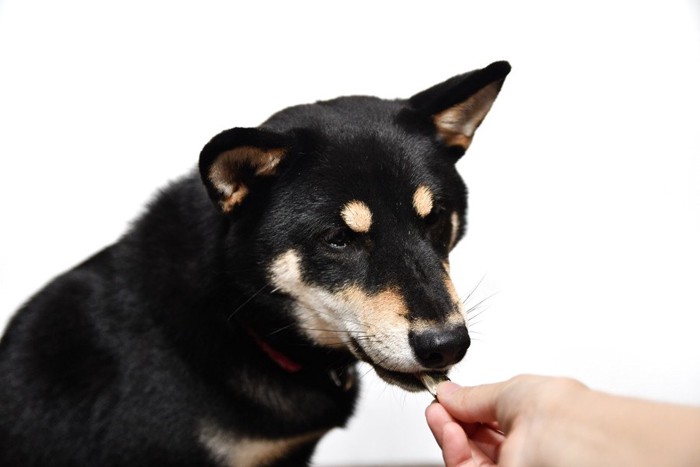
(231, 161)
(458, 106)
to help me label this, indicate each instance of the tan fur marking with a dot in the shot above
(454, 220)
(453, 138)
(223, 173)
(422, 325)
(457, 124)
(234, 451)
(384, 317)
(316, 308)
(387, 307)
(357, 216)
(451, 126)
(351, 315)
(377, 322)
(451, 290)
(423, 201)
(456, 317)
(238, 191)
(335, 319)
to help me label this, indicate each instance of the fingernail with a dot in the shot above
(447, 388)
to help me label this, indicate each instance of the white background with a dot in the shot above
(585, 177)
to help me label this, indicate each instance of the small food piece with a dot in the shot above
(431, 381)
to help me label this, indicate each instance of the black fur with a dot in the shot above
(118, 361)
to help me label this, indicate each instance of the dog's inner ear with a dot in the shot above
(232, 160)
(456, 125)
(231, 172)
(458, 106)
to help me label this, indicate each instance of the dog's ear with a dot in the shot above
(232, 160)
(458, 106)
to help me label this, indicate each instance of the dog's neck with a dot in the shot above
(344, 377)
(282, 360)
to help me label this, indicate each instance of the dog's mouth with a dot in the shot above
(412, 382)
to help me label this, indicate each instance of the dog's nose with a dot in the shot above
(438, 348)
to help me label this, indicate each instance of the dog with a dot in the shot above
(223, 329)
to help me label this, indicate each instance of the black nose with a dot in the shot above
(439, 347)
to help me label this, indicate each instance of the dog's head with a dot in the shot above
(351, 207)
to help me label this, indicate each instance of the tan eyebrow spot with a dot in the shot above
(357, 216)
(423, 201)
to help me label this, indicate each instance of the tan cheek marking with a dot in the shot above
(384, 312)
(330, 319)
(285, 272)
(315, 306)
(387, 308)
(357, 216)
(385, 326)
(423, 201)
(232, 450)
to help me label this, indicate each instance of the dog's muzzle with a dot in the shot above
(439, 348)
(435, 351)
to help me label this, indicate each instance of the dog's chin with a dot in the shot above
(407, 381)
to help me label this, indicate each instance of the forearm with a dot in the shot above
(620, 431)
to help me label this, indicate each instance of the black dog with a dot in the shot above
(226, 333)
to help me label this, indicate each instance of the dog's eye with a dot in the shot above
(337, 238)
(438, 228)
(437, 214)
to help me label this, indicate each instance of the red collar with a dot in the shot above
(284, 362)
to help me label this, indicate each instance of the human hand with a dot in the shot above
(502, 424)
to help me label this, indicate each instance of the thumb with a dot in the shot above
(477, 404)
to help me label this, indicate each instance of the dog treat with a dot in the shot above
(431, 381)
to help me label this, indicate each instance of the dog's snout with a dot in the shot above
(439, 347)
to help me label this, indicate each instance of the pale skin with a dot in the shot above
(539, 421)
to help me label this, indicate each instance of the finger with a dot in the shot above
(477, 404)
(514, 451)
(495, 426)
(456, 450)
(484, 436)
(437, 417)
(450, 436)
(481, 458)
(486, 439)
